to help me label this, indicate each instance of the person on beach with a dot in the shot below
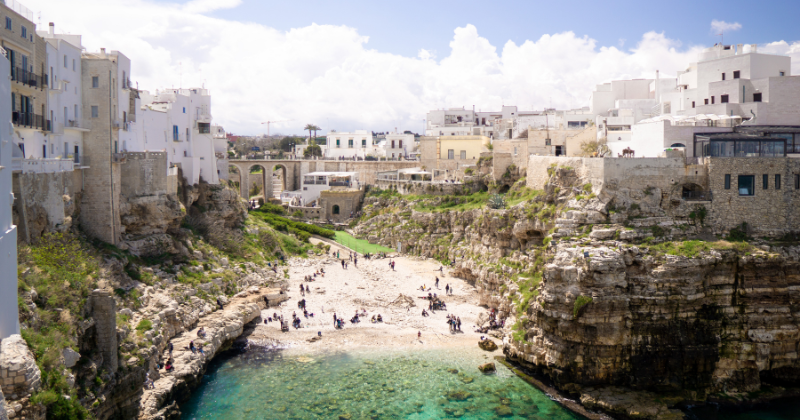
(168, 367)
(302, 290)
(437, 282)
(458, 323)
(334, 320)
(201, 332)
(220, 304)
(447, 289)
(170, 347)
(192, 347)
(307, 289)
(342, 264)
(419, 334)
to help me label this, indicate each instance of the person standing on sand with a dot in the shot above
(334, 320)
(419, 335)
(447, 289)
(437, 282)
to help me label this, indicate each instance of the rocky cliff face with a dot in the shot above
(618, 287)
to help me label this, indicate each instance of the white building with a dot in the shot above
(358, 144)
(508, 123)
(727, 86)
(9, 313)
(316, 182)
(220, 150)
(64, 95)
(178, 121)
(397, 146)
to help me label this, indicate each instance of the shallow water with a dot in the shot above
(369, 385)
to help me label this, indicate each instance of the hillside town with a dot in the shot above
(628, 258)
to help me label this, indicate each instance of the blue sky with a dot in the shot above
(377, 65)
(404, 27)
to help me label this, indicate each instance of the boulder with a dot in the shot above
(71, 357)
(487, 345)
(487, 367)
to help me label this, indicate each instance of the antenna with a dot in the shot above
(180, 72)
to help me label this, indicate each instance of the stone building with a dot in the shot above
(99, 215)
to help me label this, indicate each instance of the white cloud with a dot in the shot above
(329, 76)
(720, 26)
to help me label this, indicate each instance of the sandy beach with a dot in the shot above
(373, 286)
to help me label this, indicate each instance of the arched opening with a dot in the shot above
(257, 181)
(692, 191)
(677, 145)
(335, 209)
(504, 189)
(234, 177)
(278, 180)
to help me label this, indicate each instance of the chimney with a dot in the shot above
(52, 28)
(739, 49)
(103, 52)
(753, 48)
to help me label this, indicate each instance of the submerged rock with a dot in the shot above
(487, 367)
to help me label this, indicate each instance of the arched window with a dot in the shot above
(335, 209)
(678, 145)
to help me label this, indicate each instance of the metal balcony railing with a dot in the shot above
(27, 77)
(697, 195)
(29, 119)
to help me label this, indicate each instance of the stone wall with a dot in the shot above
(44, 202)
(349, 201)
(19, 379)
(769, 211)
(309, 212)
(517, 148)
(144, 174)
(469, 186)
(104, 313)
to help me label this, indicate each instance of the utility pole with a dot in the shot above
(273, 122)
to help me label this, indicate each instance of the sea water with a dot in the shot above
(432, 384)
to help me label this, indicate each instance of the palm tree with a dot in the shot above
(310, 128)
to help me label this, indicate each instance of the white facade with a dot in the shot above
(728, 85)
(178, 121)
(9, 313)
(508, 123)
(358, 144)
(64, 97)
(397, 146)
(316, 182)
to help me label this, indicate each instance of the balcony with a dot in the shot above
(41, 166)
(31, 120)
(28, 78)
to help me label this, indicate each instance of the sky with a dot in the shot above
(381, 65)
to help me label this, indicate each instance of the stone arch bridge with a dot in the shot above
(293, 171)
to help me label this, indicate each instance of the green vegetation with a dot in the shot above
(298, 214)
(359, 245)
(496, 201)
(700, 212)
(303, 231)
(63, 272)
(738, 234)
(144, 326)
(453, 203)
(692, 249)
(580, 302)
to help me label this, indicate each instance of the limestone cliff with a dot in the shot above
(616, 287)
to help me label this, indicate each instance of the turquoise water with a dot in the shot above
(438, 384)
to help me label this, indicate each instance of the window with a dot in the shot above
(797, 181)
(727, 181)
(95, 111)
(24, 34)
(73, 64)
(174, 133)
(692, 104)
(399, 144)
(184, 110)
(463, 154)
(747, 184)
(66, 114)
(780, 73)
(75, 112)
(712, 99)
(777, 181)
(335, 209)
(187, 134)
(736, 74)
(723, 76)
(392, 144)
(350, 144)
(8, 23)
(337, 143)
(765, 181)
(723, 99)
(363, 143)
(95, 81)
(65, 61)
(706, 101)
(757, 97)
(450, 154)
(547, 142)
(204, 128)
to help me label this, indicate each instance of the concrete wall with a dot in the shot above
(9, 322)
(517, 148)
(44, 203)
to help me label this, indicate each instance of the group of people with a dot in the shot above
(313, 277)
(304, 290)
(435, 304)
(454, 322)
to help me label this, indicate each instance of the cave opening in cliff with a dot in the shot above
(692, 191)
(504, 189)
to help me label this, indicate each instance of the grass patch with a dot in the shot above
(359, 245)
(452, 203)
(580, 302)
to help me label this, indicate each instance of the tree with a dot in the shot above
(312, 150)
(597, 148)
(310, 128)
